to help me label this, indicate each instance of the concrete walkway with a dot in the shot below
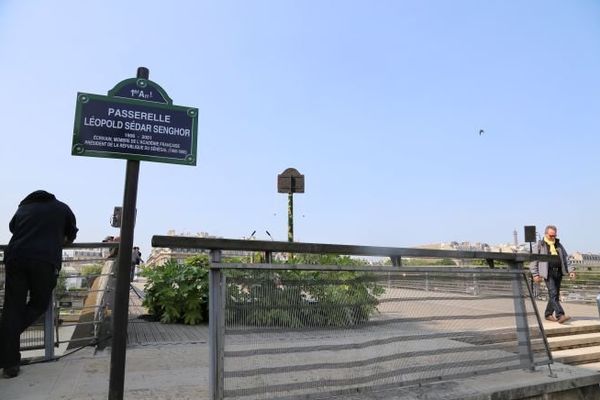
(157, 372)
(180, 371)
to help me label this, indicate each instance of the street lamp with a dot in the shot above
(252, 253)
(290, 181)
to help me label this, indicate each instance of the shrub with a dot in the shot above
(294, 299)
(286, 298)
(93, 269)
(178, 292)
(90, 273)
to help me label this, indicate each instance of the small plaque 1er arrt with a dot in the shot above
(136, 121)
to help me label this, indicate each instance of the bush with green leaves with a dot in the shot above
(295, 299)
(178, 293)
(90, 273)
(286, 298)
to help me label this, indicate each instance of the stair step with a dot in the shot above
(578, 340)
(573, 327)
(577, 356)
(595, 366)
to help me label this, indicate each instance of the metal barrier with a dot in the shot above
(312, 331)
(78, 305)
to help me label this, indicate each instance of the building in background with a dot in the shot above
(161, 255)
(585, 260)
(75, 260)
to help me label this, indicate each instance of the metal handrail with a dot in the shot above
(321, 248)
(217, 281)
(81, 245)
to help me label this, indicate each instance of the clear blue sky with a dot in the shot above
(378, 103)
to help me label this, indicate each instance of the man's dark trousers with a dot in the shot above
(553, 284)
(23, 276)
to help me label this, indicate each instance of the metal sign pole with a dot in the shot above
(121, 302)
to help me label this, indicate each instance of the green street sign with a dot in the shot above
(136, 121)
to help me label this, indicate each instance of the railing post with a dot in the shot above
(523, 334)
(49, 330)
(216, 324)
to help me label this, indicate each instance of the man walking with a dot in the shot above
(41, 227)
(552, 273)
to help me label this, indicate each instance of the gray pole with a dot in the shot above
(121, 302)
(49, 329)
(523, 335)
(216, 328)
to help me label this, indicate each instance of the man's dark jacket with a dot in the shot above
(40, 228)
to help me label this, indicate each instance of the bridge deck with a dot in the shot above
(143, 332)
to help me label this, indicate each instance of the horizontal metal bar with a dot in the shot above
(33, 347)
(85, 276)
(92, 245)
(76, 340)
(319, 248)
(85, 291)
(78, 308)
(82, 245)
(67, 260)
(365, 268)
(80, 323)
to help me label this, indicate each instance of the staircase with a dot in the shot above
(575, 343)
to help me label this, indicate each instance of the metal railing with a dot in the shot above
(78, 306)
(306, 331)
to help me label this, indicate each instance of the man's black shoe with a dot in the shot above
(11, 372)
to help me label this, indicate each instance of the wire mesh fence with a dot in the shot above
(584, 289)
(329, 334)
(33, 337)
(78, 303)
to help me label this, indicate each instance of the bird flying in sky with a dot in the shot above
(481, 132)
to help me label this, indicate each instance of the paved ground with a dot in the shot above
(180, 371)
(153, 372)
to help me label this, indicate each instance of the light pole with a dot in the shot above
(251, 237)
(290, 181)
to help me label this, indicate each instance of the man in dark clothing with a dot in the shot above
(136, 259)
(41, 227)
(552, 273)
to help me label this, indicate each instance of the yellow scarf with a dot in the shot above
(551, 246)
